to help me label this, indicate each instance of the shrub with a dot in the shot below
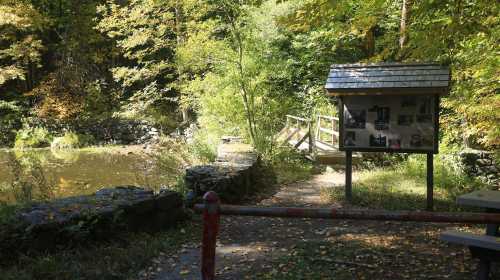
(71, 140)
(203, 148)
(289, 165)
(9, 122)
(403, 186)
(33, 137)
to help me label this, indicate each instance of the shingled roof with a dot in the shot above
(388, 78)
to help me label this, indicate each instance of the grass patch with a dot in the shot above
(403, 186)
(290, 166)
(123, 258)
(288, 172)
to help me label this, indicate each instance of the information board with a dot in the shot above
(389, 123)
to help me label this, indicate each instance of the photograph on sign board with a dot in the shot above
(425, 107)
(395, 143)
(416, 141)
(408, 101)
(355, 119)
(405, 120)
(350, 138)
(424, 118)
(378, 141)
(383, 117)
(389, 123)
(427, 140)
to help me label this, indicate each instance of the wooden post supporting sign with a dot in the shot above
(430, 181)
(348, 176)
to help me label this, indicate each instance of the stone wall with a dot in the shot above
(109, 131)
(236, 174)
(62, 222)
(481, 164)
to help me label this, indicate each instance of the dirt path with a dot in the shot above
(275, 248)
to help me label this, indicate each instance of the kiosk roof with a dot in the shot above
(388, 78)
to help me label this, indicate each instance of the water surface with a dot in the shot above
(43, 174)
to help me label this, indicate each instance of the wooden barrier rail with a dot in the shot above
(212, 209)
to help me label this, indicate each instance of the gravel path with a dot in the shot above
(249, 247)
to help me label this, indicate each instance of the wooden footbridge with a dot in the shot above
(318, 140)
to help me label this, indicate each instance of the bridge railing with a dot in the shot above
(327, 126)
(297, 130)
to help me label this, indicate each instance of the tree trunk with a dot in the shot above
(244, 93)
(179, 40)
(370, 42)
(249, 108)
(405, 15)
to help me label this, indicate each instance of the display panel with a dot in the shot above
(389, 123)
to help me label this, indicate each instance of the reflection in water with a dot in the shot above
(45, 174)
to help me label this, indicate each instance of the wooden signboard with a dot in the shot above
(389, 107)
(396, 123)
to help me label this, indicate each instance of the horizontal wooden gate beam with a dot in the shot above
(357, 214)
(212, 210)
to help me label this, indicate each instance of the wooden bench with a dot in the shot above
(485, 248)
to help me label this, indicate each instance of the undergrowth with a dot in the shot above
(122, 258)
(71, 140)
(403, 186)
(290, 166)
(33, 137)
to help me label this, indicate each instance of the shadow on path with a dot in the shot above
(277, 248)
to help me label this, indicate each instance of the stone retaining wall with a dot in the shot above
(237, 174)
(45, 226)
(109, 131)
(481, 164)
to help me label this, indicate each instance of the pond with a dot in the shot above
(44, 174)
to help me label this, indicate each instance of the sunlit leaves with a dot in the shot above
(466, 35)
(19, 48)
(144, 33)
(10, 73)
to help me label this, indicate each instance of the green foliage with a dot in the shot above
(121, 258)
(466, 36)
(404, 185)
(7, 212)
(10, 113)
(20, 49)
(175, 154)
(202, 148)
(239, 66)
(289, 166)
(33, 137)
(71, 140)
(144, 34)
(248, 88)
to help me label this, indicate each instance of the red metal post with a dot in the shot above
(211, 220)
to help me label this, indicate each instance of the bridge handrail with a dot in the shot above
(298, 118)
(328, 117)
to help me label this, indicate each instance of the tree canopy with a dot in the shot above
(239, 66)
